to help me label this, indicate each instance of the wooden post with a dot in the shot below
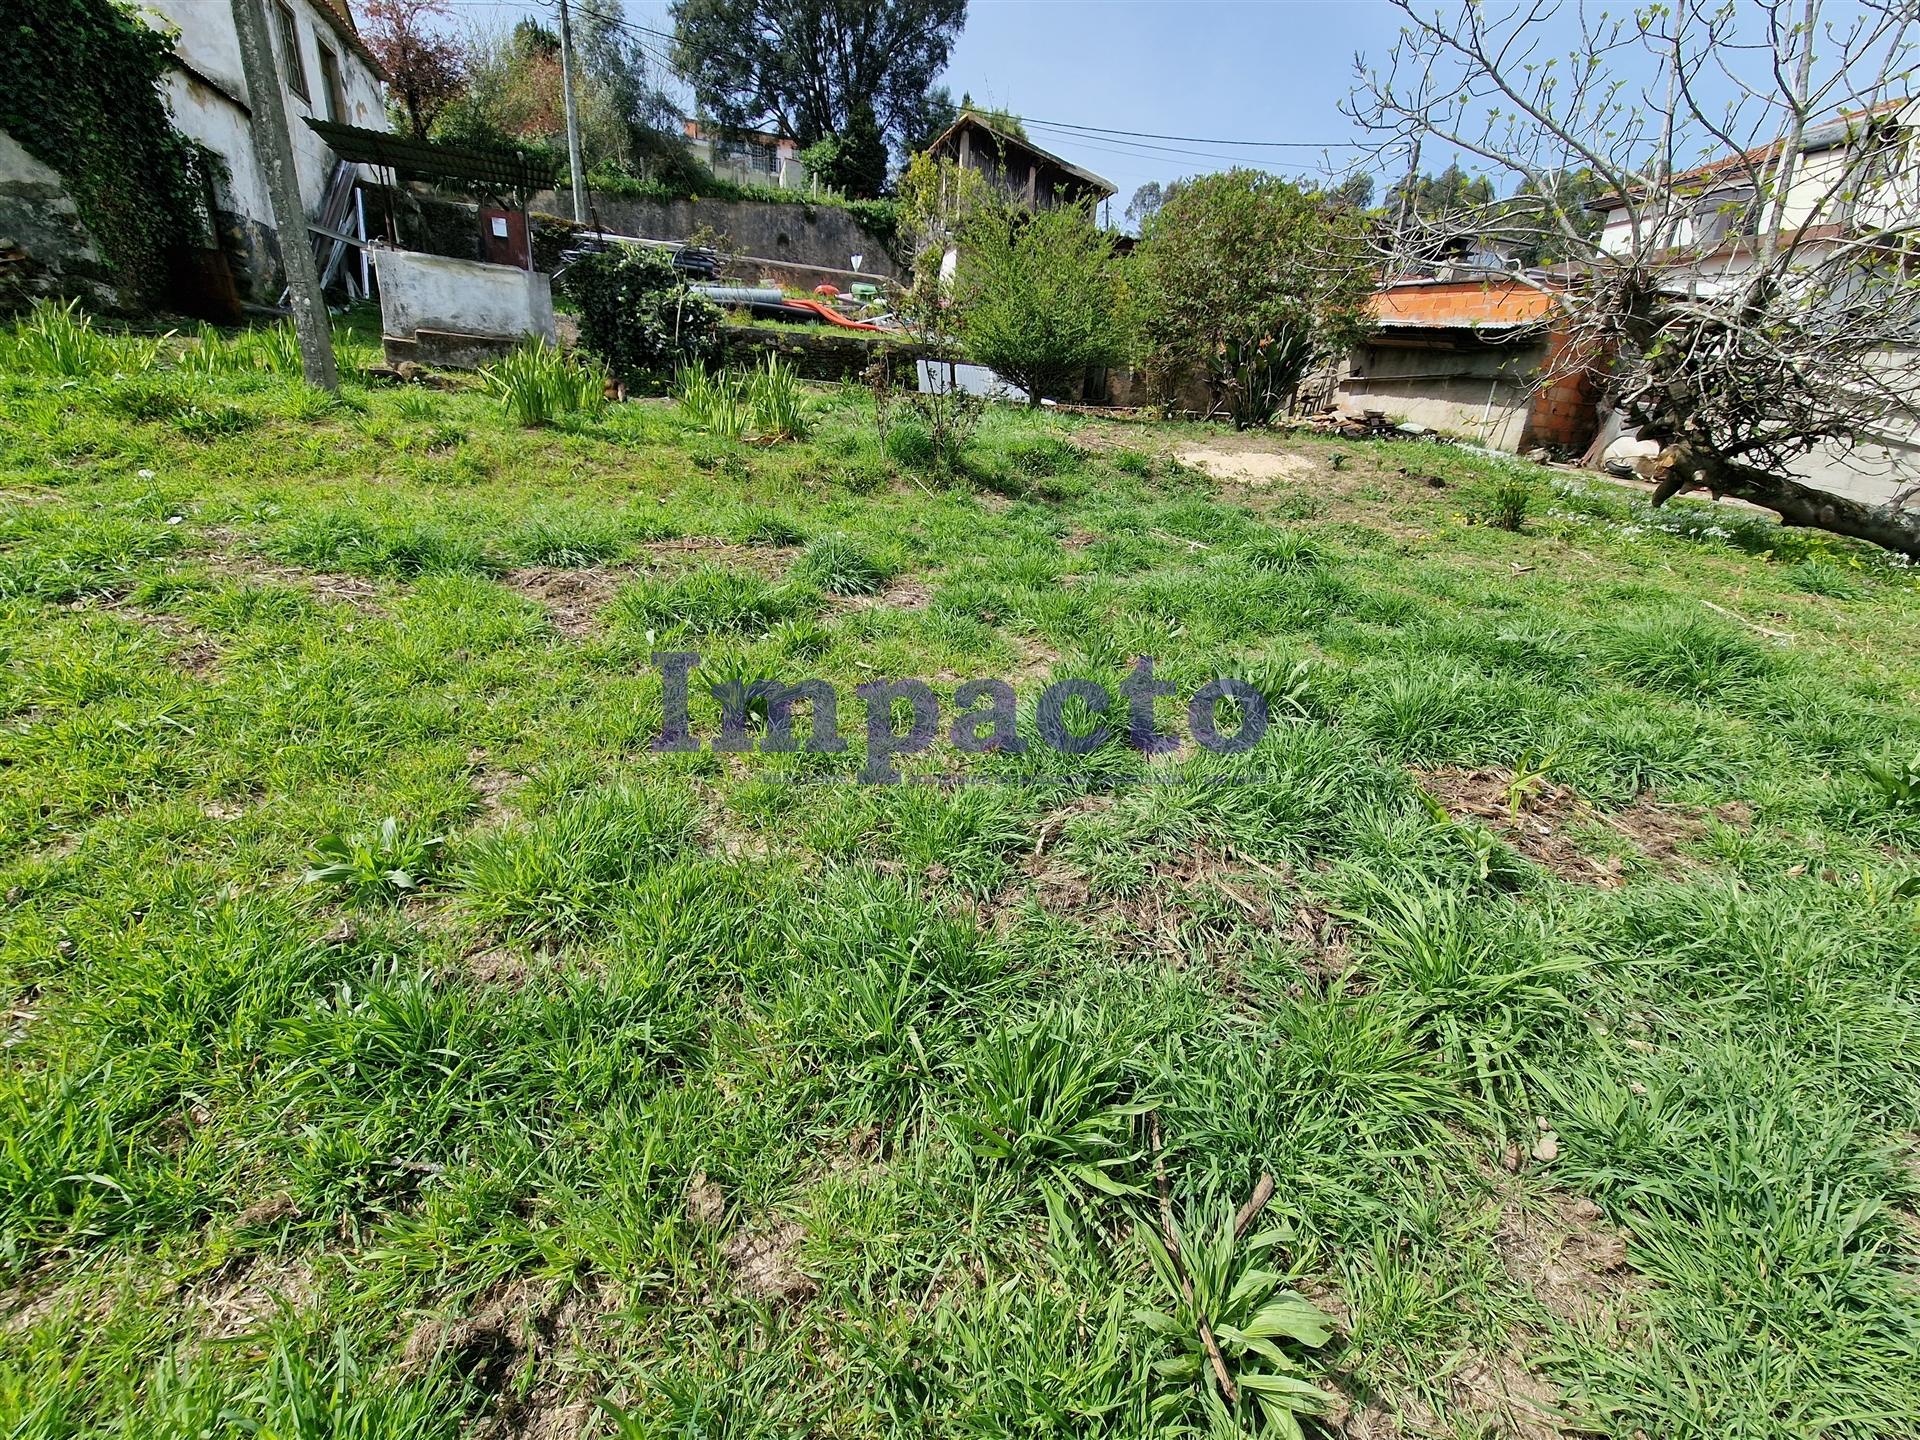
(273, 151)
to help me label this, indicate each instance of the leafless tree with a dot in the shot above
(1754, 295)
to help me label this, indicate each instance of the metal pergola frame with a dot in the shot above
(502, 174)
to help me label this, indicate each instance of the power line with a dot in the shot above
(1142, 150)
(1197, 139)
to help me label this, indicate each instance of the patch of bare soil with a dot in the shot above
(514, 1342)
(1200, 890)
(1256, 469)
(1036, 659)
(573, 598)
(494, 965)
(706, 1201)
(1324, 943)
(1489, 1396)
(768, 560)
(1660, 830)
(490, 788)
(246, 1293)
(1567, 1255)
(1538, 827)
(900, 595)
(762, 1265)
(28, 1304)
(1513, 1400)
(232, 562)
(271, 1211)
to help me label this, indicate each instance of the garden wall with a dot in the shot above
(822, 236)
(45, 247)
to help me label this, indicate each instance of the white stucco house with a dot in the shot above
(1856, 175)
(326, 71)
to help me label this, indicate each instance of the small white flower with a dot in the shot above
(144, 474)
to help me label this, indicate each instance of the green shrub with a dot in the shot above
(638, 316)
(1252, 279)
(1037, 297)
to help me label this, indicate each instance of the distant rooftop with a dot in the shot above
(1011, 146)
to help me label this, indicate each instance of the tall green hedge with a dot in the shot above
(80, 90)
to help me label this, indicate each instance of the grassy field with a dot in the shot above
(397, 1047)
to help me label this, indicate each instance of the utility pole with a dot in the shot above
(573, 118)
(273, 150)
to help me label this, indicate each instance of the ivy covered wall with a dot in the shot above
(79, 92)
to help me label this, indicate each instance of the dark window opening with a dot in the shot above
(331, 89)
(290, 55)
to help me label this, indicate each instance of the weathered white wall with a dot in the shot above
(209, 93)
(38, 215)
(1481, 395)
(432, 292)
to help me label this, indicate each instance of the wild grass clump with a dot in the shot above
(760, 526)
(715, 402)
(708, 600)
(840, 567)
(776, 403)
(765, 403)
(1823, 577)
(560, 876)
(1280, 551)
(1050, 1102)
(59, 339)
(1683, 655)
(364, 541)
(538, 384)
(1480, 982)
(1508, 501)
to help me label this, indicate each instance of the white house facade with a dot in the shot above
(325, 71)
(1855, 176)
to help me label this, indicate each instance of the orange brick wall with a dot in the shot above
(1564, 408)
(1462, 302)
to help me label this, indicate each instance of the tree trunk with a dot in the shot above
(1684, 467)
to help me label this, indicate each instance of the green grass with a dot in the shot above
(398, 1047)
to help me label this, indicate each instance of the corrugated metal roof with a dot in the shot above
(493, 171)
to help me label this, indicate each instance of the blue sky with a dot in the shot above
(1270, 70)
(1254, 70)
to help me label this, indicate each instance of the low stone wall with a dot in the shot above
(762, 232)
(45, 247)
(828, 354)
